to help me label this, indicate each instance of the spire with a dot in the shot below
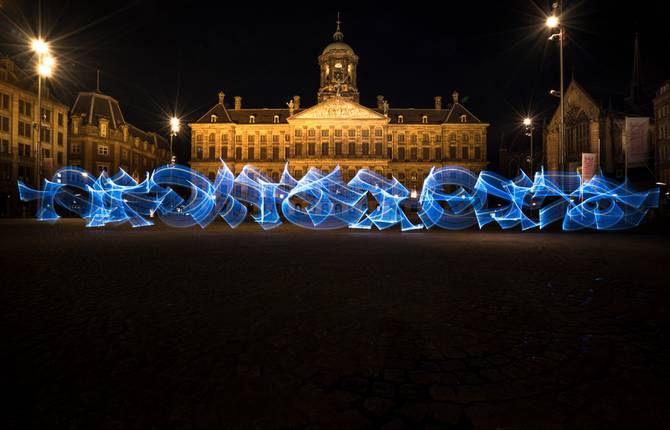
(635, 76)
(338, 36)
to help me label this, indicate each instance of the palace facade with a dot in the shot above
(401, 142)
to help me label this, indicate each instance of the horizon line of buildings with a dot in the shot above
(404, 143)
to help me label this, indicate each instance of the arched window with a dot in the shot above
(198, 138)
(401, 119)
(276, 119)
(212, 138)
(464, 118)
(214, 118)
(424, 119)
(252, 119)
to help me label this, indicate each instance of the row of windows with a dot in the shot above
(466, 153)
(409, 178)
(25, 130)
(401, 137)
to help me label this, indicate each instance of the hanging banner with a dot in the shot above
(589, 163)
(637, 140)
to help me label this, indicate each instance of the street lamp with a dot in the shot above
(554, 23)
(45, 65)
(528, 124)
(174, 129)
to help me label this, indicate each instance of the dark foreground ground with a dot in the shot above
(187, 329)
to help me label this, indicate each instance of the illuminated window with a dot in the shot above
(214, 118)
(103, 129)
(75, 148)
(276, 119)
(424, 119)
(464, 118)
(103, 150)
(252, 119)
(401, 119)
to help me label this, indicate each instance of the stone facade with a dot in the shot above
(18, 135)
(589, 127)
(101, 139)
(401, 142)
(662, 126)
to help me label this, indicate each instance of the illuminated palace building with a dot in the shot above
(404, 143)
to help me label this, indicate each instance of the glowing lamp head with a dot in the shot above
(40, 46)
(553, 21)
(44, 70)
(174, 125)
(49, 61)
(527, 122)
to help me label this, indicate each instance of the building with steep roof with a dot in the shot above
(401, 142)
(607, 131)
(102, 140)
(18, 135)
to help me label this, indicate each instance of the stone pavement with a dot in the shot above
(187, 329)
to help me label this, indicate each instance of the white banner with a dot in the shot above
(589, 165)
(636, 140)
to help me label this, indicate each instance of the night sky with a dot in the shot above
(156, 58)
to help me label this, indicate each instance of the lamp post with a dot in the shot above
(174, 130)
(528, 124)
(554, 22)
(45, 65)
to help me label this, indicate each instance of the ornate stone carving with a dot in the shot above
(338, 108)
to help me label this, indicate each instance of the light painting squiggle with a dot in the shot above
(452, 198)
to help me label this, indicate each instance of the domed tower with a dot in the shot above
(338, 64)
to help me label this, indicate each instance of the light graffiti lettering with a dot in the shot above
(452, 198)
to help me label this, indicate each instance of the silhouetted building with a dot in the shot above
(608, 132)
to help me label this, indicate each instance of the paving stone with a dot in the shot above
(377, 406)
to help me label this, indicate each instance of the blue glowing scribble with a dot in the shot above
(452, 198)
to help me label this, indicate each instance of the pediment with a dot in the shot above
(338, 108)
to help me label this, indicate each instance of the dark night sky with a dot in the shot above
(154, 55)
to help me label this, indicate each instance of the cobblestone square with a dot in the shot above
(120, 328)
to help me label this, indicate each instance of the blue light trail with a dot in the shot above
(452, 198)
